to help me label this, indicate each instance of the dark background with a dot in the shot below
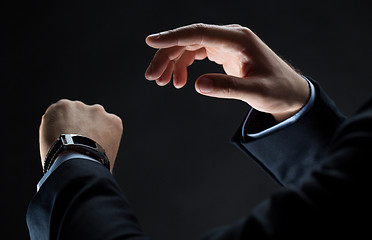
(176, 164)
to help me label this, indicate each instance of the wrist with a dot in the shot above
(300, 99)
(68, 143)
(280, 117)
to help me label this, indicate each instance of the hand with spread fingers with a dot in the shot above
(254, 73)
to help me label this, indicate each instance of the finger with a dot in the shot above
(180, 69)
(167, 75)
(161, 61)
(233, 25)
(223, 86)
(199, 34)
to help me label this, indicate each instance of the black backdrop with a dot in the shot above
(176, 164)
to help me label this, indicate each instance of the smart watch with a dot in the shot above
(75, 143)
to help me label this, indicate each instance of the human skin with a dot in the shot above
(75, 117)
(254, 73)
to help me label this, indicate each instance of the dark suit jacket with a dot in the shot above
(322, 161)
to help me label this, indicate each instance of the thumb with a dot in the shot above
(221, 86)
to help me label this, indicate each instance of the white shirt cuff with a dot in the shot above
(286, 122)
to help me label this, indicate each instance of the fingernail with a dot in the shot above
(153, 35)
(157, 35)
(160, 82)
(205, 85)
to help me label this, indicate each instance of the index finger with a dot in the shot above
(200, 34)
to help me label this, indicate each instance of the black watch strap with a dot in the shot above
(75, 143)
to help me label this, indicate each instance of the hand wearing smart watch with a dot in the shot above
(76, 127)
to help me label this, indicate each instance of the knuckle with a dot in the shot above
(62, 103)
(57, 106)
(79, 103)
(117, 121)
(171, 31)
(51, 107)
(236, 25)
(246, 31)
(98, 107)
(200, 31)
(199, 26)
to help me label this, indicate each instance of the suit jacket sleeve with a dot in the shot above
(81, 200)
(290, 154)
(324, 162)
